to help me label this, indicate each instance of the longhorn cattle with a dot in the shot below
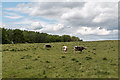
(64, 49)
(78, 48)
(47, 46)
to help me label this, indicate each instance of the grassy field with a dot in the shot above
(100, 60)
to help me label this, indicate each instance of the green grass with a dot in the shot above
(100, 60)
(0, 64)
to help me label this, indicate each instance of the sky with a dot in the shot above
(89, 21)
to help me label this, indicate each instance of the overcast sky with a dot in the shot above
(86, 20)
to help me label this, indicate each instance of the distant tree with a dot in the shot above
(10, 35)
(42, 37)
(0, 35)
(18, 36)
(73, 38)
(81, 40)
(57, 38)
(5, 39)
(66, 38)
(26, 36)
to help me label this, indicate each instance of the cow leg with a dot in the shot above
(80, 52)
(65, 51)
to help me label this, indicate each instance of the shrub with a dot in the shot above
(113, 64)
(40, 61)
(35, 59)
(47, 49)
(44, 72)
(77, 61)
(22, 58)
(80, 63)
(38, 56)
(104, 58)
(5, 49)
(63, 57)
(102, 72)
(114, 50)
(13, 50)
(45, 76)
(28, 67)
(73, 59)
(54, 67)
(94, 49)
(88, 51)
(88, 58)
(47, 61)
(49, 67)
(26, 57)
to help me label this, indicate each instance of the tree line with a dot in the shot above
(23, 36)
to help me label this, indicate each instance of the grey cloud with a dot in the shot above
(74, 15)
(47, 5)
(110, 22)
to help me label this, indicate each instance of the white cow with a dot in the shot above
(64, 49)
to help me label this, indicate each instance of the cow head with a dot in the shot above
(85, 47)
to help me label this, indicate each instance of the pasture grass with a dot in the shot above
(100, 60)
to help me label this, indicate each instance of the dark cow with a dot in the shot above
(47, 46)
(78, 48)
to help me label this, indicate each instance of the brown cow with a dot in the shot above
(78, 48)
